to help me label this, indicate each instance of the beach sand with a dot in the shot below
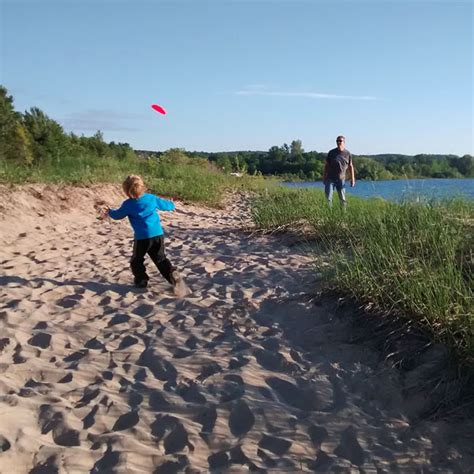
(249, 372)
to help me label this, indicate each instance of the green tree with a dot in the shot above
(174, 155)
(9, 120)
(224, 163)
(122, 151)
(98, 145)
(239, 165)
(19, 145)
(314, 169)
(48, 138)
(465, 165)
(275, 164)
(296, 150)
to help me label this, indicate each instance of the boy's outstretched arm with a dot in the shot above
(164, 204)
(119, 213)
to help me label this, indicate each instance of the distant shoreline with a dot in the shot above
(396, 189)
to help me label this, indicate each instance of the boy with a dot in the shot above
(141, 210)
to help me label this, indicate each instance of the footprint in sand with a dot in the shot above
(51, 420)
(126, 342)
(317, 434)
(218, 460)
(173, 467)
(106, 300)
(140, 375)
(90, 393)
(89, 419)
(206, 417)
(118, 319)
(158, 402)
(50, 465)
(135, 399)
(144, 310)
(94, 343)
(159, 367)
(69, 301)
(41, 325)
(190, 393)
(238, 362)
(180, 353)
(349, 447)
(208, 370)
(278, 446)
(126, 421)
(5, 445)
(274, 361)
(76, 356)
(66, 379)
(4, 342)
(40, 339)
(241, 419)
(110, 460)
(228, 389)
(171, 431)
(17, 357)
(292, 395)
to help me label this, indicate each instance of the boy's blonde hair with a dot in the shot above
(133, 186)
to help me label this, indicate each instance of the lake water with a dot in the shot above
(396, 190)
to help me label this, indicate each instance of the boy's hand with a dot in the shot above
(102, 210)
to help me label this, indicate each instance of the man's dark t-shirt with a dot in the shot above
(338, 162)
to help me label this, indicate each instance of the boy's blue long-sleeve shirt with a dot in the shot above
(142, 214)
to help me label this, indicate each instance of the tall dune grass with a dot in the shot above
(193, 180)
(410, 259)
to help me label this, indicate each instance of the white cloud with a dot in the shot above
(252, 90)
(104, 120)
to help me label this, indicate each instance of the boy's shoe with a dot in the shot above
(141, 284)
(180, 288)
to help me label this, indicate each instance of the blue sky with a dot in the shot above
(392, 76)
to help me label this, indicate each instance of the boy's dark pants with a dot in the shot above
(155, 248)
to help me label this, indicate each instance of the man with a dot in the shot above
(338, 161)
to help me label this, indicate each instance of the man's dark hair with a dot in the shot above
(341, 137)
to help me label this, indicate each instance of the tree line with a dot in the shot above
(292, 162)
(32, 138)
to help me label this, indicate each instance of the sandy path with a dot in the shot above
(245, 374)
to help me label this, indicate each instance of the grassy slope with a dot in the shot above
(409, 259)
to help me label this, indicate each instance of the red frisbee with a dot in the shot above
(159, 109)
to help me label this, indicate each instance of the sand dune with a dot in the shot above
(246, 373)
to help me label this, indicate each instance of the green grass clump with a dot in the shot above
(411, 259)
(81, 169)
(190, 179)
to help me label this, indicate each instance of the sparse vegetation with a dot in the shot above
(409, 259)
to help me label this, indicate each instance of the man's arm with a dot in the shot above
(352, 171)
(325, 172)
(326, 169)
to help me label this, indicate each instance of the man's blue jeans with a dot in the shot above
(339, 186)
